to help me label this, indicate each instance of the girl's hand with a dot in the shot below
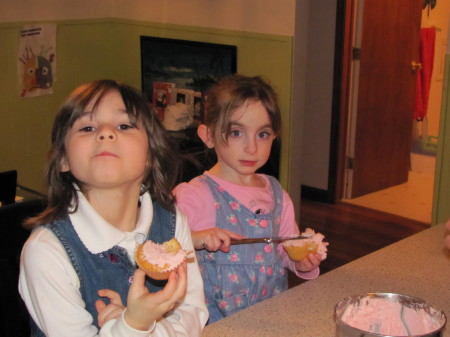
(144, 308)
(112, 310)
(214, 239)
(308, 263)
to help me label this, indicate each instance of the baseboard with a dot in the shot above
(315, 194)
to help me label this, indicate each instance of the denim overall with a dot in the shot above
(111, 269)
(249, 273)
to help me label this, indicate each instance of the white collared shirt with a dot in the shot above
(50, 286)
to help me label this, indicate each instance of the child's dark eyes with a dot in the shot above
(235, 133)
(125, 127)
(264, 135)
(122, 127)
(260, 135)
(87, 129)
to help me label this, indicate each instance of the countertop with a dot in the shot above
(417, 266)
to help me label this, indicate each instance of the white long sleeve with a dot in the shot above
(49, 285)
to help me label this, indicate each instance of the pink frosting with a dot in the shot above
(387, 317)
(157, 254)
(317, 238)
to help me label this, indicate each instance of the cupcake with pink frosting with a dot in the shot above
(299, 249)
(158, 260)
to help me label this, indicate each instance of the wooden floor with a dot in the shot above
(352, 231)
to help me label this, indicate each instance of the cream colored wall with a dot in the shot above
(319, 93)
(279, 17)
(268, 16)
(276, 64)
(30, 10)
(298, 101)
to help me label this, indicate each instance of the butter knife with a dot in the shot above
(273, 239)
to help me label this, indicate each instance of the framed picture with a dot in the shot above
(175, 75)
(176, 72)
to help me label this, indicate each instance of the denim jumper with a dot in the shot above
(111, 269)
(249, 273)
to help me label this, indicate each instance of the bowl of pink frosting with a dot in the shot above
(387, 315)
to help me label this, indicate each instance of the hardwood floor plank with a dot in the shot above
(352, 231)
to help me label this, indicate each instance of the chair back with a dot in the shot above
(14, 317)
(8, 185)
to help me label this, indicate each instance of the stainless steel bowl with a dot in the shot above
(345, 330)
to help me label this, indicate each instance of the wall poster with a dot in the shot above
(36, 64)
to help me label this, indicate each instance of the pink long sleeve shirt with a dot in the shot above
(196, 201)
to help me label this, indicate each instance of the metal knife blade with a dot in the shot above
(275, 239)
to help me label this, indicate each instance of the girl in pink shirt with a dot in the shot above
(232, 201)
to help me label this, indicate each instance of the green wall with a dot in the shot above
(441, 202)
(109, 48)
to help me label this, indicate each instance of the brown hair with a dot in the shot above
(233, 91)
(162, 171)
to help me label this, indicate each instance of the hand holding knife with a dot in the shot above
(274, 239)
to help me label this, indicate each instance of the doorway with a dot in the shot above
(414, 197)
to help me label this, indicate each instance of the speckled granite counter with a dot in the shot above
(417, 266)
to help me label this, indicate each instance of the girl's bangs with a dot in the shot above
(95, 95)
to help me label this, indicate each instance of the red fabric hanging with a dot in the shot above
(423, 79)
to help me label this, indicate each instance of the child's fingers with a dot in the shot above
(145, 307)
(211, 243)
(218, 241)
(167, 292)
(233, 235)
(314, 259)
(107, 312)
(112, 310)
(174, 290)
(226, 236)
(180, 277)
(222, 240)
(138, 284)
(100, 306)
(303, 265)
(311, 262)
(180, 291)
(137, 288)
(308, 263)
(113, 296)
(214, 239)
